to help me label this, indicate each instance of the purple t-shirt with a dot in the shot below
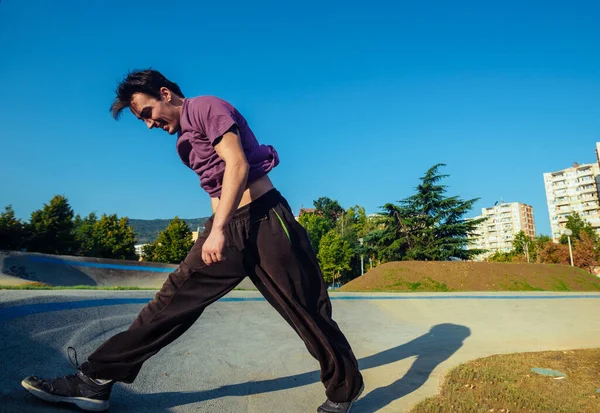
(203, 120)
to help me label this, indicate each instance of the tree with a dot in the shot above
(578, 225)
(553, 253)
(148, 252)
(334, 256)
(51, 228)
(374, 243)
(12, 230)
(429, 225)
(173, 244)
(389, 241)
(328, 208)
(83, 228)
(316, 226)
(540, 243)
(538, 249)
(585, 254)
(113, 237)
(354, 226)
(351, 225)
(524, 245)
(500, 256)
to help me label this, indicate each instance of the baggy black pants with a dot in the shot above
(264, 242)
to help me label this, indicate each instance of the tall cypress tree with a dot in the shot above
(428, 225)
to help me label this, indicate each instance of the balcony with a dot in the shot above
(565, 211)
(591, 189)
(585, 172)
(585, 180)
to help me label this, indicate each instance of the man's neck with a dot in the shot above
(177, 102)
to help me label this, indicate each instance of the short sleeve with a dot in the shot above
(212, 117)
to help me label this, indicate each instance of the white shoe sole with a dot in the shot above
(90, 405)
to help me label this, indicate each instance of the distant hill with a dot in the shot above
(147, 230)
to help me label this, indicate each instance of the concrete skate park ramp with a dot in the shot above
(18, 268)
(242, 357)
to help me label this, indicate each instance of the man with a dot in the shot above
(252, 232)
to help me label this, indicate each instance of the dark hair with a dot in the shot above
(141, 81)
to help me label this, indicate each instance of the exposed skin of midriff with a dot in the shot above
(252, 192)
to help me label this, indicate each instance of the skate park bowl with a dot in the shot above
(18, 268)
(241, 356)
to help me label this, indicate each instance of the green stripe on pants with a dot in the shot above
(283, 225)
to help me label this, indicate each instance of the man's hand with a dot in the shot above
(212, 250)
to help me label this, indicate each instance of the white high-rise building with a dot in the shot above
(572, 190)
(504, 221)
(139, 249)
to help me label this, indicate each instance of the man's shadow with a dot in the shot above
(431, 349)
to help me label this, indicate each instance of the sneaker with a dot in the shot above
(331, 407)
(88, 394)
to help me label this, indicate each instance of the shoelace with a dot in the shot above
(75, 363)
(52, 382)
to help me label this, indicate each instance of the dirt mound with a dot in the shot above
(438, 276)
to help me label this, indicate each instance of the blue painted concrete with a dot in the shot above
(8, 313)
(28, 309)
(57, 261)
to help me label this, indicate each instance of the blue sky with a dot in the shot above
(359, 98)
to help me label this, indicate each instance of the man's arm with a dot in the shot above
(229, 148)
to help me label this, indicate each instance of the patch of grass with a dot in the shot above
(392, 275)
(519, 285)
(505, 383)
(427, 284)
(71, 287)
(430, 285)
(412, 286)
(42, 286)
(561, 286)
(34, 284)
(407, 276)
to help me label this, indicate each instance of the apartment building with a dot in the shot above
(139, 248)
(572, 190)
(504, 221)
